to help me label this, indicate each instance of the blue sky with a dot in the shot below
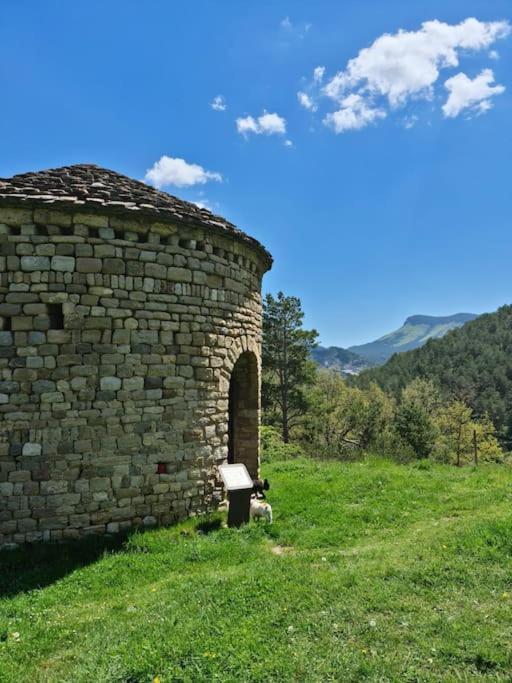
(384, 204)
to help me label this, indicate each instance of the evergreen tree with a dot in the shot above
(414, 426)
(287, 368)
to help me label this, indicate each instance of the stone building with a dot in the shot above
(130, 332)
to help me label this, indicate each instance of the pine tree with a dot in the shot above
(287, 368)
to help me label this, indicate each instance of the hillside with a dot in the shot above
(415, 332)
(372, 571)
(473, 362)
(343, 361)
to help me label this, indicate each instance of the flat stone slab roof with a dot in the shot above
(88, 187)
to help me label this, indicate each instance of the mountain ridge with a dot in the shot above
(414, 333)
(472, 363)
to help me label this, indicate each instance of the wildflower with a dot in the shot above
(505, 596)
(156, 679)
(290, 629)
(15, 635)
(372, 623)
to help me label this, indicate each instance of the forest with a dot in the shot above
(448, 401)
(472, 364)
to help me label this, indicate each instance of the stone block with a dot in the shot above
(110, 383)
(179, 274)
(9, 310)
(91, 220)
(114, 266)
(133, 383)
(155, 270)
(85, 264)
(43, 385)
(12, 216)
(35, 263)
(31, 449)
(51, 217)
(6, 338)
(65, 264)
(6, 488)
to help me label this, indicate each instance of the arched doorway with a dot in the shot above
(243, 420)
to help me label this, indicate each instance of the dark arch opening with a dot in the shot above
(243, 419)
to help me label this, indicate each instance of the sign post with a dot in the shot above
(238, 484)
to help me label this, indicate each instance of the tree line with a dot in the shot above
(409, 416)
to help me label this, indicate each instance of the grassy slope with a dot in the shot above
(382, 572)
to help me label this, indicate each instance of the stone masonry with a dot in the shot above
(123, 314)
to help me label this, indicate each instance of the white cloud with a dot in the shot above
(203, 204)
(288, 143)
(219, 103)
(410, 122)
(306, 101)
(247, 124)
(473, 95)
(406, 65)
(494, 54)
(173, 171)
(266, 124)
(272, 124)
(354, 114)
(297, 30)
(318, 74)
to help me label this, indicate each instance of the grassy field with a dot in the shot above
(371, 572)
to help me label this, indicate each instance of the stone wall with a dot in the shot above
(117, 342)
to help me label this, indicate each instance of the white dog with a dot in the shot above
(260, 510)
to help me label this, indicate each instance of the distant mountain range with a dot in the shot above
(341, 360)
(472, 363)
(414, 333)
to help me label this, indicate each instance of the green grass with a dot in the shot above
(371, 572)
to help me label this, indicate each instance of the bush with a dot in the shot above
(273, 447)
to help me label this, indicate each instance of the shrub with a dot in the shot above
(273, 447)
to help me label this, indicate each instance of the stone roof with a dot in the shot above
(92, 188)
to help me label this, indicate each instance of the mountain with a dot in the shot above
(341, 360)
(415, 332)
(473, 362)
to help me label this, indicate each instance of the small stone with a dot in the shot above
(106, 233)
(88, 265)
(33, 449)
(6, 338)
(179, 274)
(36, 338)
(110, 383)
(42, 385)
(64, 264)
(113, 266)
(34, 263)
(133, 383)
